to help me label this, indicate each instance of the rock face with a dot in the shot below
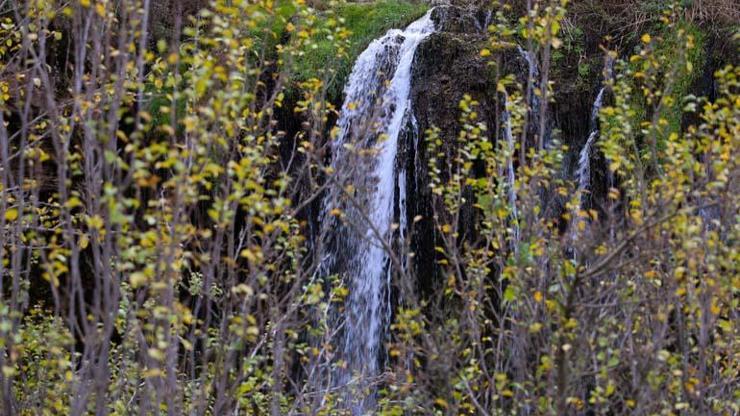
(446, 67)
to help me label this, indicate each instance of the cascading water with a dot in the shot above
(375, 111)
(533, 74)
(583, 173)
(533, 100)
(583, 170)
(510, 173)
(485, 21)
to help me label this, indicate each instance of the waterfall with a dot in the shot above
(532, 74)
(583, 173)
(510, 173)
(596, 108)
(484, 21)
(531, 97)
(375, 111)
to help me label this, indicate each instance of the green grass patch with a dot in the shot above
(367, 21)
(271, 26)
(680, 66)
(696, 56)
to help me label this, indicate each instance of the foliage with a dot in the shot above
(367, 21)
(627, 311)
(157, 243)
(170, 243)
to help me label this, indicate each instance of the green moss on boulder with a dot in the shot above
(367, 21)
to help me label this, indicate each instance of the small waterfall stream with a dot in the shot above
(484, 21)
(583, 172)
(532, 99)
(583, 169)
(510, 171)
(375, 112)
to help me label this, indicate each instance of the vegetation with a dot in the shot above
(157, 221)
(366, 21)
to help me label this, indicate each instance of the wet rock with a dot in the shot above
(451, 19)
(447, 66)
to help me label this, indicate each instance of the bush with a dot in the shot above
(181, 252)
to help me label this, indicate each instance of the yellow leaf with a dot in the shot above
(646, 38)
(152, 372)
(441, 402)
(73, 202)
(156, 354)
(11, 214)
(84, 241)
(95, 222)
(714, 308)
(137, 279)
(485, 52)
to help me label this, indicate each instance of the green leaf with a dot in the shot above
(509, 294)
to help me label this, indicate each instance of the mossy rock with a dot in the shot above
(367, 21)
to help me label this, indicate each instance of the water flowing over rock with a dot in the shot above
(583, 170)
(368, 184)
(485, 16)
(448, 67)
(510, 172)
(583, 173)
(533, 101)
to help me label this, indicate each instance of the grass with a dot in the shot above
(367, 21)
(682, 79)
(697, 57)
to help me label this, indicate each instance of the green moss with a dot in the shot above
(159, 102)
(274, 24)
(678, 59)
(696, 56)
(680, 66)
(576, 71)
(367, 21)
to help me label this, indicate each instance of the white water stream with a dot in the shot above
(583, 172)
(375, 112)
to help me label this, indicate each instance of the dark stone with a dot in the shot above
(451, 19)
(447, 66)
